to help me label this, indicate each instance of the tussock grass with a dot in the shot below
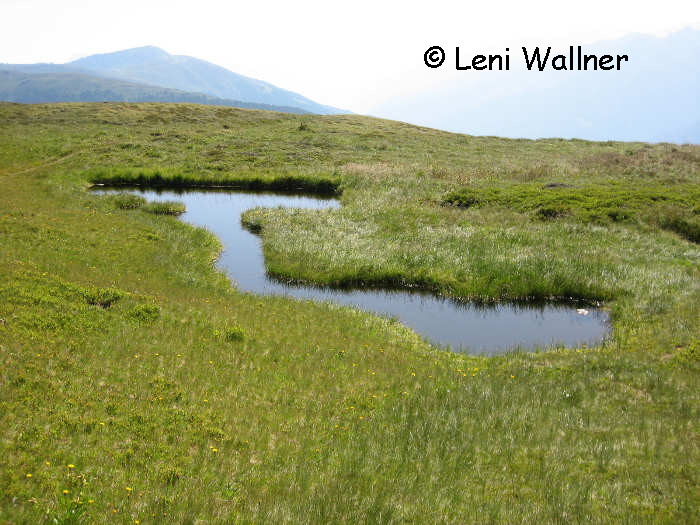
(462, 258)
(231, 333)
(323, 413)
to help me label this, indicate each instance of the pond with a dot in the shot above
(465, 327)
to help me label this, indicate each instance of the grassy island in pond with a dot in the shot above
(137, 383)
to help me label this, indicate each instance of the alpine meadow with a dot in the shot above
(139, 385)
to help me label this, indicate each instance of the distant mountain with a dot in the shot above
(154, 68)
(152, 65)
(654, 97)
(56, 85)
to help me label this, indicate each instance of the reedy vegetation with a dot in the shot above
(137, 379)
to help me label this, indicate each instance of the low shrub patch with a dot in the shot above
(144, 312)
(600, 203)
(103, 297)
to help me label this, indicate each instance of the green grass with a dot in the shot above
(136, 378)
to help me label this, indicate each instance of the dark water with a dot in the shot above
(464, 327)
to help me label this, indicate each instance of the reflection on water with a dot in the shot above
(463, 326)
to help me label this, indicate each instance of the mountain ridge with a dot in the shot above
(154, 70)
(152, 65)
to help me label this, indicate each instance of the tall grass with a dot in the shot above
(317, 183)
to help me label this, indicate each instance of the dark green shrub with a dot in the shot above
(550, 212)
(463, 199)
(687, 227)
(144, 312)
(103, 297)
(619, 215)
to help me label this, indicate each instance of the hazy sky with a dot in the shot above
(352, 55)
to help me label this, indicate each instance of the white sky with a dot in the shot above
(351, 55)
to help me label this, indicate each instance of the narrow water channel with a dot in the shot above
(470, 328)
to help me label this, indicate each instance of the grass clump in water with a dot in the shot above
(127, 201)
(164, 208)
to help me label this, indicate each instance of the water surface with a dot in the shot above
(463, 326)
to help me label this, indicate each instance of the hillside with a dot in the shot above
(56, 86)
(151, 65)
(138, 384)
(149, 74)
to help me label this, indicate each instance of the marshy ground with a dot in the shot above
(138, 384)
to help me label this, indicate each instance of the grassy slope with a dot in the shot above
(320, 413)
